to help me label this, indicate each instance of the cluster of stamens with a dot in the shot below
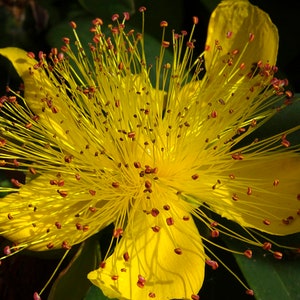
(116, 143)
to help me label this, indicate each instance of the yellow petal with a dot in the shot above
(46, 98)
(152, 267)
(263, 194)
(41, 216)
(230, 24)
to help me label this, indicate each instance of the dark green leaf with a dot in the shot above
(95, 293)
(72, 283)
(268, 277)
(210, 4)
(106, 8)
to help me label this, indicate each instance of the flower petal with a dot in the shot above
(145, 263)
(230, 25)
(41, 216)
(263, 194)
(45, 97)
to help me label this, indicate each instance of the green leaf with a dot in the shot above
(106, 8)
(95, 293)
(210, 4)
(72, 283)
(268, 277)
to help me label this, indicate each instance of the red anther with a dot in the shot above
(63, 193)
(230, 62)
(154, 212)
(16, 182)
(166, 207)
(97, 21)
(73, 24)
(184, 32)
(85, 228)
(170, 221)
(114, 277)
(195, 20)
(9, 216)
(195, 297)
(253, 123)
(235, 51)
(155, 228)
(242, 66)
(277, 255)
(266, 222)
(2, 142)
(142, 9)
(141, 281)
(12, 99)
(163, 24)
(16, 163)
(50, 245)
(154, 170)
(36, 296)
(115, 184)
(117, 232)
(54, 51)
(212, 263)
(137, 164)
(275, 182)
(250, 292)
(251, 37)
(151, 295)
(190, 45)
(28, 125)
(267, 246)
(178, 251)
(249, 191)
(285, 143)
(248, 253)
(237, 156)
(214, 224)
(215, 233)
(7, 250)
(126, 256)
(207, 48)
(148, 184)
(185, 218)
(131, 134)
(235, 197)
(195, 176)
(30, 54)
(102, 264)
(214, 114)
(66, 40)
(165, 44)
(92, 192)
(78, 226)
(289, 94)
(65, 245)
(58, 225)
(92, 209)
(61, 182)
(115, 17)
(298, 197)
(229, 34)
(126, 15)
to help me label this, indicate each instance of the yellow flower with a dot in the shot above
(100, 144)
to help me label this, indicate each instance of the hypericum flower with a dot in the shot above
(99, 144)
